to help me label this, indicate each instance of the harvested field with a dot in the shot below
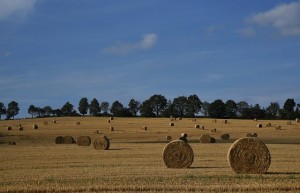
(134, 161)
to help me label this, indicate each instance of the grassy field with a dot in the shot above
(134, 161)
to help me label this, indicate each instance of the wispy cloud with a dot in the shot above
(15, 8)
(147, 42)
(284, 18)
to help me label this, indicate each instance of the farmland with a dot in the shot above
(134, 161)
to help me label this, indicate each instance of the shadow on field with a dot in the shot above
(283, 173)
(207, 167)
(115, 149)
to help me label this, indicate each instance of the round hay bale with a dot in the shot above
(205, 138)
(194, 120)
(278, 127)
(259, 125)
(178, 154)
(9, 128)
(69, 140)
(214, 130)
(225, 136)
(297, 120)
(268, 125)
(197, 126)
(84, 141)
(111, 118)
(169, 138)
(54, 121)
(59, 140)
(35, 126)
(21, 128)
(77, 123)
(171, 124)
(225, 121)
(249, 155)
(111, 128)
(12, 143)
(101, 143)
(289, 123)
(251, 135)
(144, 128)
(212, 140)
(108, 121)
(179, 118)
(183, 137)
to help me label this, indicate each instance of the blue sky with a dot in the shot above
(58, 51)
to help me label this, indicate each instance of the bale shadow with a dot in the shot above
(116, 149)
(195, 167)
(283, 173)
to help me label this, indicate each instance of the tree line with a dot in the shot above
(158, 106)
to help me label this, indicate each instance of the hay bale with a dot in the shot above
(111, 128)
(108, 121)
(69, 140)
(171, 124)
(212, 140)
(251, 135)
(144, 128)
(278, 127)
(297, 120)
(77, 123)
(194, 120)
(183, 137)
(259, 125)
(21, 128)
(225, 121)
(12, 143)
(268, 125)
(205, 138)
(178, 154)
(169, 138)
(197, 126)
(34, 126)
(101, 143)
(111, 118)
(54, 121)
(249, 155)
(59, 140)
(9, 128)
(289, 123)
(225, 136)
(179, 118)
(84, 141)
(214, 130)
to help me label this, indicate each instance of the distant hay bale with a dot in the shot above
(254, 119)
(144, 128)
(214, 130)
(9, 128)
(249, 155)
(35, 126)
(108, 121)
(297, 120)
(251, 135)
(171, 124)
(183, 137)
(169, 138)
(225, 136)
(84, 141)
(21, 128)
(69, 140)
(172, 119)
(111, 128)
(205, 138)
(101, 143)
(278, 127)
(202, 127)
(268, 125)
(111, 118)
(54, 121)
(179, 118)
(259, 125)
(194, 120)
(289, 123)
(197, 126)
(12, 143)
(59, 140)
(178, 154)
(212, 140)
(77, 123)
(225, 121)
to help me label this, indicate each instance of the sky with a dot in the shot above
(58, 51)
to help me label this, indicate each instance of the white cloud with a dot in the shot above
(285, 18)
(247, 32)
(147, 42)
(15, 8)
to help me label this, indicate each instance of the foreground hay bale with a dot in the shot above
(178, 154)
(101, 143)
(249, 155)
(204, 138)
(251, 135)
(225, 136)
(84, 141)
(59, 140)
(69, 140)
(34, 126)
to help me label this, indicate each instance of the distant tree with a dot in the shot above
(194, 105)
(2, 109)
(104, 106)
(217, 109)
(48, 110)
(146, 109)
(67, 109)
(158, 104)
(95, 107)
(41, 112)
(83, 106)
(242, 107)
(118, 110)
(204, 109)
(169, 110)
(12, 109)
(32, 110)
(288, 107)
(273, 110)
(230, 109)
(258, 112)
(180, 106)
(57, 112)
(133, 107)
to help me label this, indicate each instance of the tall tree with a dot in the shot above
(2, 109)
(217, 109)
(48, 110)
(95, 107)
(194, 105)
(146, 109)
(230, 108)
(288, 107)
(204, 109)
(32, 110)
(67, 109)
(273, 110)
(180, 105)
(12, 109)
(158, 103)
(118, 110)
(83, 106)
(242, 106)
(104, 106)
(133, 106)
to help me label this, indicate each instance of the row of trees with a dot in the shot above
(158, 106)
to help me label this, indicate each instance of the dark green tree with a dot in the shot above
(194, 105)
(272, 110)
(67, 109)
(48, 110)
(217, 109)
(204, 108)
(230, 109)
(2, 109)
(83, 106)
(169, 110)
(146, 109)
(95, 107)
(158, 104)
(12, 109)
(32, 110)
(180, 106)
(133, 107)
(104, 106)
(118, 110)
(242, 107)
(288, 107)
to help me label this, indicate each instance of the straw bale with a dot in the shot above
(197, 126)
(205, 138)
(278, 127)
(9, 128)
(251, 135)
(268, 125)
(35, 126)
(297, 120)
(108, 121)
(169, 138)
(225, 136)
(21, 128)
(178, 154)
(259, 125)
(77, 123)
(144, 128)
(59, 140)
(111, 128)
(214, 130)
(54, 121)
(249, 155)
(212, 140)
(84, 141)
(101, 143)
(171, 124)
(111, 118)
(69, 140)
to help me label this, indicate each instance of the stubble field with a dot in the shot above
(134, 161)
